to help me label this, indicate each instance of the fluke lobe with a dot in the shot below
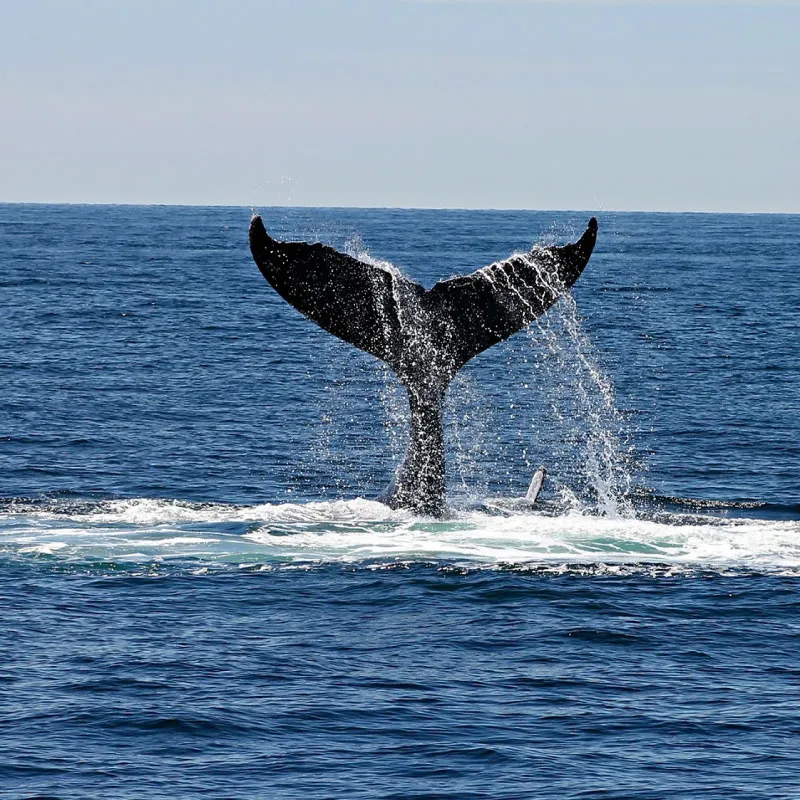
(425, 336)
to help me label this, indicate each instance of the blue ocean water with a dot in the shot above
(200, 598)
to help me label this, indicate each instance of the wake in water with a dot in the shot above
(137, 533)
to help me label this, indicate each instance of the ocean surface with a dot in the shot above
(199, 596)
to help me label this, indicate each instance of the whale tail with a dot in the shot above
(425, 336)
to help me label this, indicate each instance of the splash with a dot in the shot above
(469, 423)
(579, 432)
(576, 426)
(588, 436)
(392, 395)
(583, 404)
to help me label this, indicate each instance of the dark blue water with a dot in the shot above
(199, 598)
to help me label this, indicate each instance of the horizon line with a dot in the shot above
(253, 207)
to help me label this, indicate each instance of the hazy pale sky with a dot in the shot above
(421, 103)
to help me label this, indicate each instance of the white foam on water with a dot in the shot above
(363, 531)
(175, 541)
(479, 538)
(45, 549)
(147, 511)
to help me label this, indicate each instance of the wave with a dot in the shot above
(366, 533)
(645, 499)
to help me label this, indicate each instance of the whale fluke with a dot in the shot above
(425, 336)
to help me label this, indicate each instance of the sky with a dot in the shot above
(654, 106)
